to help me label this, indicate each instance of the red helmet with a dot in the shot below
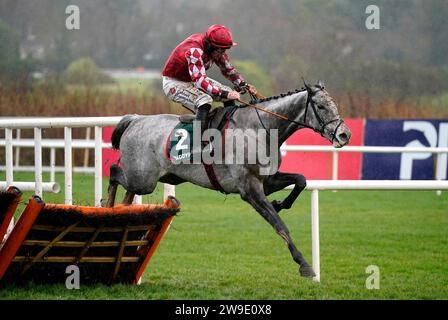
(219, 36)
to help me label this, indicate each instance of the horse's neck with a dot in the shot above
(292, 107)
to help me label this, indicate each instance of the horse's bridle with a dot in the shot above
(309, 101)
(323, 125)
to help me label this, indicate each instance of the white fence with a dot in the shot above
(37, 124)
(315, 185)
(441, 159)
(86, 144)
(51, 144)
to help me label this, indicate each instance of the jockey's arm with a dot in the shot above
(198, 74)
(233, 75)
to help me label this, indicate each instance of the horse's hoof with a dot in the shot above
(307, 271)
(277, 205)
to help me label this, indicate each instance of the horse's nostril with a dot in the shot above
(343, 137)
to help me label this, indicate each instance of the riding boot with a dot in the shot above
(202, 116)
(229, 103)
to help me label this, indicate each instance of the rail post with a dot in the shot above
(8, 156)
(52, 164)
(68, 193)
(315, 233)
(440, 168)
(98, 165)
(38, 161)
(17, 155)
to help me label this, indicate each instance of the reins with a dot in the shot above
(255, 106)
(303, 124)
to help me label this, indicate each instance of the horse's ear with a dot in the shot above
(307, 87)
(320, 85)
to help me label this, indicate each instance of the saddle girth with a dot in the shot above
(221, 123)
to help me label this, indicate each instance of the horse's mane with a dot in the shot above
(282, 95)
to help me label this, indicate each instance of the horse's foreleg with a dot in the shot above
(278, 182)
(253, 193)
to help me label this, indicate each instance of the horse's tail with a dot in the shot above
(120, 129)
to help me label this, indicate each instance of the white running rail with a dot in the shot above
(316, 185)
(68, 124)
(441, 159)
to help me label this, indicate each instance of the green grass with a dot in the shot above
(220, 248)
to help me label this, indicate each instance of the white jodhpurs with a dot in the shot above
(188, 95)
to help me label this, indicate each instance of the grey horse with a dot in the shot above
(142, 141)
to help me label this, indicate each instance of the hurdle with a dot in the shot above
(9, 201)
(108, 245)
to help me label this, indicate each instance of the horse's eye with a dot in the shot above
(320, 107)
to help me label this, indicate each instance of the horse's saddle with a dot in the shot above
(215, 117)
(180, 141)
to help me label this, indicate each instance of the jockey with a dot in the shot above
(184, 76)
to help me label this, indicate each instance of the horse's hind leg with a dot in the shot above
(111, 191)
(139, 181)
(281, 180)
(117, 177)
(252, 192)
